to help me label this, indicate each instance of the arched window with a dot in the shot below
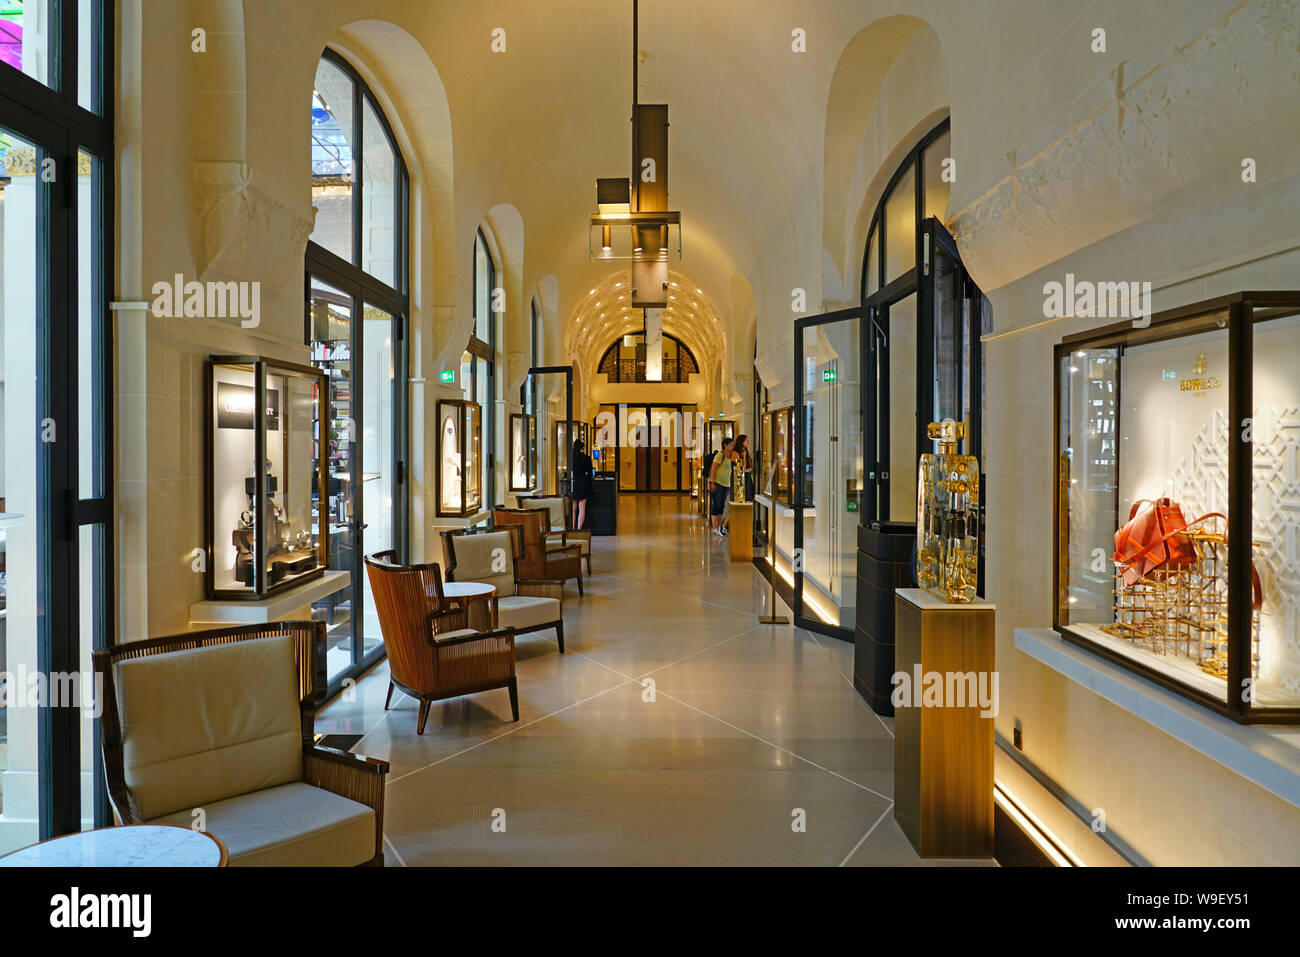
(359, 182)
(357, 309)
(624, 360)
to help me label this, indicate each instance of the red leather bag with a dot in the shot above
(1153, 538)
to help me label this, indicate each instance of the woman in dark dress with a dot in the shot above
(745, 465)
(580, 483)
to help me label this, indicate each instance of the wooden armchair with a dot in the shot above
(431, 654)
(220, 723)
(559, 510)
(540, 561)
(491, 556)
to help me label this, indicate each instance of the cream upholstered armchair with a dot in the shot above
(491, 556)
(559, 511)
(216, 726)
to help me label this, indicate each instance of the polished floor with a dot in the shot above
(676, 730)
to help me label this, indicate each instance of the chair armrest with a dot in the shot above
(352, 776)
(571, 551)
(478, 636)
(440, 623)
(537, 588)
(346, 758)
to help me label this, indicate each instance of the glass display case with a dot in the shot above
(777, 453)
(1177, 487)
(265, 483)
(564, 436)
(523, 452)
(460, 438)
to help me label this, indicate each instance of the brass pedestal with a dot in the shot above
(943, 748)
(740, 525)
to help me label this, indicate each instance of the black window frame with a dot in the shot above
(366, 289)
(487, 351)
(49, 116)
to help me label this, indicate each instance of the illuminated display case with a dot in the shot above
(564, 436)
(460, 472)
(264, 480)
(778, 432)
(1178, 479)
(523, 452)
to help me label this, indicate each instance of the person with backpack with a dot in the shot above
(719, 485)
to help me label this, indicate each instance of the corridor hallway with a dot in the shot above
(746, 724)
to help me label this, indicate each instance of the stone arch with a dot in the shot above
(503, 228)
(898, 59)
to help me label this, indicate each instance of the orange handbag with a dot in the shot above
(1153, 537)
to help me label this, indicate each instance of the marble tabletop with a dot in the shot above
(468, 589)
(137, 845)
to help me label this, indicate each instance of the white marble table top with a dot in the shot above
(139, 845)
(468, 589)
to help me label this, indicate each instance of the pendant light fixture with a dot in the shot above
(632, 213)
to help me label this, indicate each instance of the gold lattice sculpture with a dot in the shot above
(947, 517)
(1184, 611)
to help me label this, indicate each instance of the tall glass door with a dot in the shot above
(364, 445)
(379, 428)
(828, 469)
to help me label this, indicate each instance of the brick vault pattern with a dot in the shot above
(1200, 485)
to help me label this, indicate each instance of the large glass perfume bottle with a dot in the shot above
(947, 520)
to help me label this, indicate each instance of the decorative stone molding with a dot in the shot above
(243, 232)
(1158, 133)
(772, 368)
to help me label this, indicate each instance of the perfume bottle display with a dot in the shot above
(947, 520)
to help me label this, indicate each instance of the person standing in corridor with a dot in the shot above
(580, 488)
(720, 485)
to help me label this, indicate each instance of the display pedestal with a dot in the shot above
(943, 752)
(741, 531)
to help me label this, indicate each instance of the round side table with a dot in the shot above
(130, 845)
(480, 600)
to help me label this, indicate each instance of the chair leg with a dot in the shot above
(579, 585)
(424, 716)
(388, 700)
(514, 698)
(559, 633)
(588, 564)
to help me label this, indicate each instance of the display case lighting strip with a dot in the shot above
(788, 578)
(1037, 831)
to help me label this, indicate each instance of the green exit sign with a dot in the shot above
(448, 375)
(852, 506)
(828, 375)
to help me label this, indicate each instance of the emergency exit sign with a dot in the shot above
(448, 375)
(828, 375)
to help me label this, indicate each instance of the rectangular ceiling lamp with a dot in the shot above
(613, 195)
